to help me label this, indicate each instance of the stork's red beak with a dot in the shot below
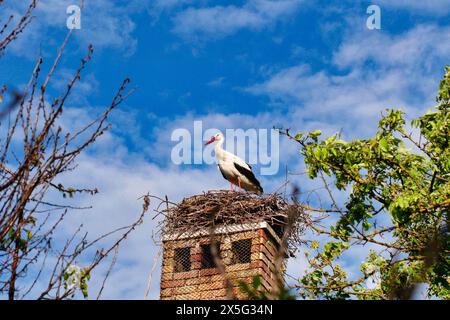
(211, 141)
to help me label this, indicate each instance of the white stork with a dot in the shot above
(233, 168)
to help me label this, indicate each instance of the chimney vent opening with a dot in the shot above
(242, 251)
(182, 259)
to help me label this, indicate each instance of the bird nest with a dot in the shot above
(225, 208)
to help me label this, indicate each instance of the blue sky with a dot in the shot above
(232, 64)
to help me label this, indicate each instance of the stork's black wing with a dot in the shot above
(249, 175)
(223, 174)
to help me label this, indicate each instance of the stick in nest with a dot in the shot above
(215, 208)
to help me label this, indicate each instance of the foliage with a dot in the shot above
(76, 278)
(255, 291)
(396, 176)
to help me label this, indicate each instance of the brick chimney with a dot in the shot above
(188, 268)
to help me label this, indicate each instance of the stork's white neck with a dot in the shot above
(220, 152)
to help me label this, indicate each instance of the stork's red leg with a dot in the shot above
(239, 183)
(231, 186)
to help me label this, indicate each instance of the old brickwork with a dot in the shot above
(189, 273)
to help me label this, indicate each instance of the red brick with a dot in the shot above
(186, 290)
(269, 248)
(188, 296)
(219, 294)
(262, 234)
(208, 272)
(185, 275)
(212, 285)
(238, 293)
(256, 264)
(247, 273)
(255, 248)
(166, 292)
(196, 257)
(167, 269)
(172, 283)
(166, 276)
(237, 267)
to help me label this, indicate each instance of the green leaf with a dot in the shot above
(384, 145)
(298, 136)
(315, 133)
(256, 282)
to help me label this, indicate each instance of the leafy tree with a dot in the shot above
(397, 176)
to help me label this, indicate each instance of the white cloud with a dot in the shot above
(103, 23)
(419, 48)
(220, 21)
(216, 82)
(435, 7)
(377, 71)
(86, 86)
(170, 4)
